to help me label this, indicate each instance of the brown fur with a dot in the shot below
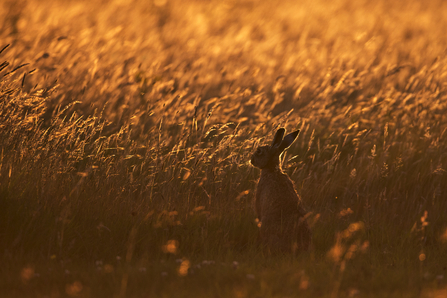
(278, 206)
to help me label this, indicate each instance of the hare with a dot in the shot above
(283, 227)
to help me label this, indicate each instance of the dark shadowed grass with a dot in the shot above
(124, 157)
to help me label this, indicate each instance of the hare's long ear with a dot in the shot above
(277, 140)
(288, 140)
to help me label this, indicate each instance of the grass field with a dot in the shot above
(125, 145)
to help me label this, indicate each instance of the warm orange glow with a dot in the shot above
(184, 267)
(74, 289)
(345, 212)
(171, 247)
(27, 274)
(304, 282)
(337, 251)
(127, 127)
(422, 257)
(444, 236)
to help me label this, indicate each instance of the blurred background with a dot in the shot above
(127, 138)
(104, 50)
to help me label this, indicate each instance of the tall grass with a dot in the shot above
(128, 148)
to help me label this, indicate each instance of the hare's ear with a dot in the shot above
(278, 137)
(288, 140)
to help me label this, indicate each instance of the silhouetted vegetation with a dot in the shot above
(126, 129)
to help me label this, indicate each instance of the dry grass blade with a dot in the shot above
(4, 48)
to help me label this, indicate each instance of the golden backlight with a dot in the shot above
(127, 127)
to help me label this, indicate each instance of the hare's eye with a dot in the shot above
(258, 151)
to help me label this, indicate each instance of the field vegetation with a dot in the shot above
(126, 130)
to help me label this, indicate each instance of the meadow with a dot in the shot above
(126, 130)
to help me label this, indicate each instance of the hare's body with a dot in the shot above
(278, 206)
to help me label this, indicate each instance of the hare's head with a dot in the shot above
(268, 156)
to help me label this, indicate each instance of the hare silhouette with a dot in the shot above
(283, 226)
